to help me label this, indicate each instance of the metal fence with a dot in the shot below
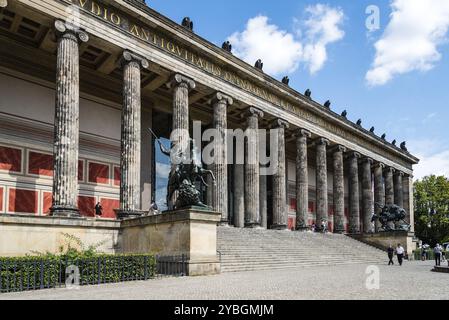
(34, 273)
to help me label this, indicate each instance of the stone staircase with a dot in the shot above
(258, 249)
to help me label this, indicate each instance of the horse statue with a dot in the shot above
(391, 215)
(184, 175)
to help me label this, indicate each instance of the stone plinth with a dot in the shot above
(382, 240)
(192, 232)
(21, 235)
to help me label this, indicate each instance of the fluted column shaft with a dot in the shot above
(367, 194)
(66, 128)
(389, 186)
(302, 180)
(263, 201)
(354, 198)
(252, 172)
(408, 200)
(339, 189)
(398, 189)
(239, 197)
(130, 204)
(379, 191)
(322, 206)
(220, 103)
(280, 217)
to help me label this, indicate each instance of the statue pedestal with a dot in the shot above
(382, 240)
(191, 232)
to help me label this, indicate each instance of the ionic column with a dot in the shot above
(354, 198)
(367, 195)
(389, 186)
(321, 181)
(339, 189)
(280, 217)
(252, 213)
(398, 189)
(239, 197)
(220, 103)
(408, 200)
(302, 180)
(181, 86)
(263, 201)
(379, 191)
(130, 204)
(66, 130)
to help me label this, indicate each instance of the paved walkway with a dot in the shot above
(411, 281)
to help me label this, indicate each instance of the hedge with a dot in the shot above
(29, 273)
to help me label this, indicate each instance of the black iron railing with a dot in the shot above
(34, 273)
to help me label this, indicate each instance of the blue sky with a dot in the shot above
(411, 105)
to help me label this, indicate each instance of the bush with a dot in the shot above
(28, 273)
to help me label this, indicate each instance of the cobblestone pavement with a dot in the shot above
(411, 281)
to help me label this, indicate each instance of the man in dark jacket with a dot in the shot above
(390, 255)
(98, 209)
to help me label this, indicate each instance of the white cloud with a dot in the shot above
(162, 170)
(410, 40)
(282, 51)
(433, 155)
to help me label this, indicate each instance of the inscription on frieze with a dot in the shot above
(166, 43)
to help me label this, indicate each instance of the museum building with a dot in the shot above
(82, 80)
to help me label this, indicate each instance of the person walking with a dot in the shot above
(437, 251)
(390, 255)
(400, 253)
(98, 209)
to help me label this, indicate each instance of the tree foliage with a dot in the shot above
(432, 209)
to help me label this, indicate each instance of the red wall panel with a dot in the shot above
(23, 201)
(291, 223)
(86, 206)
(46, 202)
(108, 207)
(1, 198)
(40, 163)
(10, 159)
(116, 176)
(293, 204)
(311, 206)
(98, 173)
(80, 170)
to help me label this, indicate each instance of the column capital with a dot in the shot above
(129, 56)
(354, 154)
(302, 133)
(321, 141)
(70, 31)
(181, 80)
(338, 148)
(389, 169)
(221, 97)
(379, 165)
(399, 173)
(279, 123)
(253, 111)
(367, 159)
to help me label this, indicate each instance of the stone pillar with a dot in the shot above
(367, 195)
(239, 198)
(302, 180)
(322, 207)
(339, 189)
(181, 86)
(220, 103)
(379, 191)
(66, 129)
(408, 200)
(398, 189)
(252, 172)
(280, 216)
(354, 198)
(263, 201)
(389, 186)
(130, 204)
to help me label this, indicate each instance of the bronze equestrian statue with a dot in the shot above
(391, 214)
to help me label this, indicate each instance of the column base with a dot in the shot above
(252, 225)
(302, 229)
(63, 211)
(340, 231)
(129, 214)
(279, 227)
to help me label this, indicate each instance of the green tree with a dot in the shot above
(432, 209)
